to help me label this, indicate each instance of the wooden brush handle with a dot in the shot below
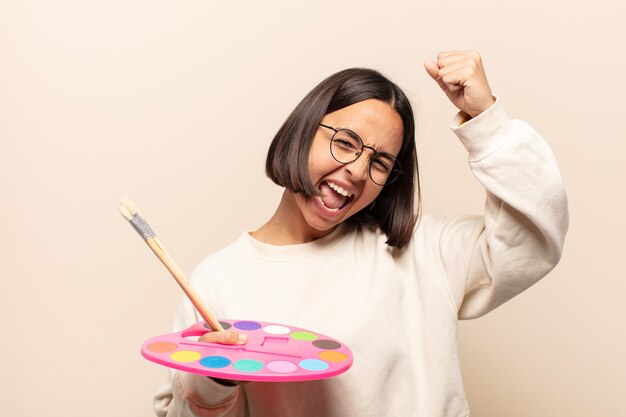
(178, 275)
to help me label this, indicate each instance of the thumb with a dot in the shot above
(226, 338)
(432, 68)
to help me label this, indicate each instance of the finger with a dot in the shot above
(443, 54)
(226, 338)
(433, 71)
(431, 68)
(466, 68)
(457, 79)
(447, 59)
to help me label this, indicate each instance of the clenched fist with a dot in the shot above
(461, 75)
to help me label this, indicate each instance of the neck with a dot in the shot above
(287, 226)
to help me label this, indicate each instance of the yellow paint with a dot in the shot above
(185, 356)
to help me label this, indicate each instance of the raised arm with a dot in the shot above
(520, 238)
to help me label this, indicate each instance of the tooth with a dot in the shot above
(339, 189)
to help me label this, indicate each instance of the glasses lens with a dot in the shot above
(345, 146)
(383, 169)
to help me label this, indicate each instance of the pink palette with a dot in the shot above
(274, 352)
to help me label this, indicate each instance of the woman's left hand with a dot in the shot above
(461, 75)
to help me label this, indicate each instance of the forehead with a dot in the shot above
(375, 121)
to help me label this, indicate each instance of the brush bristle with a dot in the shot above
(125, 213)
(125, 202)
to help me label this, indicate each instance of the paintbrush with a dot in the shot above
(130, 213)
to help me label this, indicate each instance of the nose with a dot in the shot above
(359, 168)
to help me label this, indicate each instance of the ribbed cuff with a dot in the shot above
(205, 391)
(485, 133)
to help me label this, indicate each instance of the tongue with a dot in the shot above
(331, 198)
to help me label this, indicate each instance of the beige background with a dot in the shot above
(143, 98)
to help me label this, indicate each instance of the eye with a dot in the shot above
(344, 144)
(346, 141)
(380, 165)
(383, 163)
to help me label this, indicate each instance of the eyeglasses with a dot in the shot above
(346, 146)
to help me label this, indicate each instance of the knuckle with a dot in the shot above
(207, 337)
(219, 337)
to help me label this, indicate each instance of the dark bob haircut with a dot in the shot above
(287, 161)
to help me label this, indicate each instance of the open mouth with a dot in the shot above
(334, 197)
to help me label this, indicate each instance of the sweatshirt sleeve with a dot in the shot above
(489, 260)
(189, 395)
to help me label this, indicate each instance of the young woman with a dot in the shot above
(345, 254)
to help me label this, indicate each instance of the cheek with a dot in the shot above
(369, 194)
(320, 161)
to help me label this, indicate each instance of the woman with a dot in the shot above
(345, 255)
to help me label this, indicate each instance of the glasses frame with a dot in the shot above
(396, 170)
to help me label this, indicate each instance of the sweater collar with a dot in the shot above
(280, 253)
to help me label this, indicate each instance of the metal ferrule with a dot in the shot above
(140, 225)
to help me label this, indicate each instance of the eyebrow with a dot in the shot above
(376, 147)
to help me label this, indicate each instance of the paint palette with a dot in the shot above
(274, 352)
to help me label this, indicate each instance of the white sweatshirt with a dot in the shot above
(396, 309)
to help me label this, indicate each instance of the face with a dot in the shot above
(348, 188)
